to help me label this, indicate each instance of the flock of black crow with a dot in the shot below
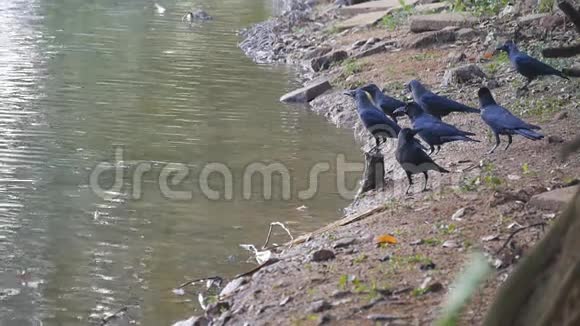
(378, 113)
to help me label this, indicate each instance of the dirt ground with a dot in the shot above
(405, 283)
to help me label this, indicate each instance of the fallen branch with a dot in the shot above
(561, 52)
(516, 232)
(270, 233)
(212, 280)
(257, 268)
(568, 9)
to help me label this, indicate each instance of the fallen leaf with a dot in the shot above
(488, 55)
(385, 238)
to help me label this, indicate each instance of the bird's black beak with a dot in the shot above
(400, 111)
(349, 93)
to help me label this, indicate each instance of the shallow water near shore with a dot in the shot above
(80, 80)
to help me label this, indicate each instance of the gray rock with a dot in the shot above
(319, 306)
(322, 255)
(307, 93)
(358, 44)
(343, 243)
(561, 116)
(324, 62)
(492, 83)
(428, 39)
(450, 244)
(463, 74)
(533, 19)
(464, 34)
(554, 200)
(454, 58)
(232, 286)
(197, 15)
(381, 317)
(315, 53)
(285, 301)
(555, 140)
(435, 22)
(193, 321)
(372, 41)
(459, 214)
(378, 48)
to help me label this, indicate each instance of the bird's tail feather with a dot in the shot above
(456, 138)
(529, 134)
(442, 170)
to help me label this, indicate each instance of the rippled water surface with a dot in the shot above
(79, 79)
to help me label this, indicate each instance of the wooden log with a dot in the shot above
(572, 13)
(374, 174)
(572, 72)
(561, 52)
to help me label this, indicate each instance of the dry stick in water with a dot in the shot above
(518, 231)
(270, 233)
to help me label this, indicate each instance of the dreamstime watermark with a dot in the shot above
(257, 180)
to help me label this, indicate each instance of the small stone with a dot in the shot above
(427, 267)
(492, 83)
(459, 214)
(322, 255)
(514, 177)
(462, 75)
(561, 116)
(466, 34)
(435, 287)
(307, 93)
(285, 301)
(555, 140)
(456, 57)
(232, 286)
(492, 237)
(417, 242)
(343, 243)
(319, 306)
(428, 39)
(193, 321)
(340, 294)
(324, 62)
(386, 258)
(450, 244)
(375, 49)
(381, 317)
(358, 44)
(554, 200)
(435, 22)
(372, 41)
(324, 319)
(533, 19)
(318, 52)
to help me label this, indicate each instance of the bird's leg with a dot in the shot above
(410, 178)
(509, 142)
(497, 141)
(426, 179)
(438, 149)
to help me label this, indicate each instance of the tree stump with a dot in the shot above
(374, 174)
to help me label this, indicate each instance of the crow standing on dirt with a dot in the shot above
(502, 122)
(374, 120)
(527, 66)
(386, 103)
(437, 106)
(432, 130)
(413, 159)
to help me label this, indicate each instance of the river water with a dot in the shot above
(85, 82)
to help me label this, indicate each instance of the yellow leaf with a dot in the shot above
(385, 238)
